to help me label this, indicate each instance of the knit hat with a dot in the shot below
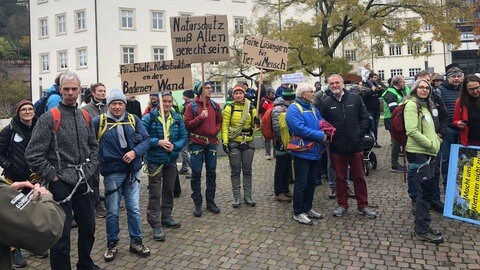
(166, 93)
(188, 93)
(154, 94)
(197, 89)
(114, 95)
(288, 94)
(238, 87)
(270, 90)
(454, 71)
(22, 103)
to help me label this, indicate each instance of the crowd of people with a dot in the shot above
(318, 134)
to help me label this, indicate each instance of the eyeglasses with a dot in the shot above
(26, 110)
(423, 87)
(474, 89)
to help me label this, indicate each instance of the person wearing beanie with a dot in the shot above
(266, 104)
(74, 143)
(123, 141)
(14, 139)
(203, 121)
(153, 104)
(237, 138)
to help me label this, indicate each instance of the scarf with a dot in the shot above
(120, 132)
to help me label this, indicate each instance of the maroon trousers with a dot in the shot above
(340, 164)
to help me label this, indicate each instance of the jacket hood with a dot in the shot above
(279, 101)
(53, 88)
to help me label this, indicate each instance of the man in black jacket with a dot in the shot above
(348, 114)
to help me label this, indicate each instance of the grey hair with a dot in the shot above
(335, 75)
(69, 76)
(396, 79)
(413, 93)
(302, 87)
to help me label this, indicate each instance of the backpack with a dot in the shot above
(57, 117)
(195, 107)
(103, 124)
(397, 123)
(40, 105)
(266, 125)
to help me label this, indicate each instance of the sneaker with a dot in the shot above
(236, 202)
(18, 261)
(111, 252)
(183, 171)
(333, 194)
(158, 234)
(429, 237)
(314, 214)
(169, 222)
(249, 201)
(100, 211)
(398, 169)
(437, 206)
(197, 210)
(435, 232)
(268, 157)
(283, 198)
(137, 247)
(212, 207)
(339, 211)
(302, 219)
(367, 212)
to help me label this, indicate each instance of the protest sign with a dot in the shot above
(264, 53)
(463, 186)
(152, 77)
(200, 38)
(292, 78)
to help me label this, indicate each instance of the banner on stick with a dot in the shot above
(264, 53)
(151, 77)
(200, 38)
(292, 78)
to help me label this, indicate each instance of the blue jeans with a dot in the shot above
(199, 154)
(304, 188)
(450, 138)
(131, 193)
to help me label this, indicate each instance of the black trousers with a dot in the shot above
(83, 209)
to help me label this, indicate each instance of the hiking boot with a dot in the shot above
(197, 210)
(169, 222)
(289, 194)
(435, 232)
(249, 201)
(18, 261)
(314, 214)
(100, 211)
(339, 211)
(333, 194)
(158, 234)
(437, 206)
(236, 202)
(183, 171)
(302, 219)
(268, 157)
(398, 169)
(429, 237)
(283, 198)
(212, 207)
(111, 251)
(138, 248)
(367, 212)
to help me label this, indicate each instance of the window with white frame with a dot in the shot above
(350, 55)
(80, 20)
(429, 47)
(413, 71)
(239, 23)
(43, 27)
(127, 18)
(44, 62)
(82, 60)
(395, 49)
(62, 60)
(158, 20)
(413, 49)
(128, 55)
(381, 75)
(214, 63)
(216, 86)
(427, 27)
(394, 72)
(61, 24)
(158, 54)
(393, 27)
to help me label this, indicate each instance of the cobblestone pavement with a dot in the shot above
(266, 236)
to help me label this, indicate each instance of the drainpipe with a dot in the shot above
(96, 41)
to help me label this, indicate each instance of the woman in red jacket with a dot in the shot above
(467, 111)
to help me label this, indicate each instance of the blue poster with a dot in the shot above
(462, 198)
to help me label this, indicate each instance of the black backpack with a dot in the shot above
(40, 105)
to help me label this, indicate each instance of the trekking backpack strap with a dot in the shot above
(87, 118)
(131, 120)
(102, 127)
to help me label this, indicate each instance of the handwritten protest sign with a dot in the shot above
(292, 78)
(462, 199)
(264, 53)
(151, 77)
(200, 38)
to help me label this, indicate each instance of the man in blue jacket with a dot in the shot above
(348, 114)
(122, 141)
(162, 164)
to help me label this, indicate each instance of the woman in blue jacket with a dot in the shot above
(303, 121)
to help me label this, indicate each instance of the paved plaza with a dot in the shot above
(266, 236)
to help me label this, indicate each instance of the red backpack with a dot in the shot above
(397, 125)
(266, 125)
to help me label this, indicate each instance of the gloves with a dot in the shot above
(226, 148)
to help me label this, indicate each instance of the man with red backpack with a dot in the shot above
(266, 104)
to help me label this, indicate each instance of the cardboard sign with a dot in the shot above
(200, 38)
(462, 198)
(151, 77)
(264, 53)
(292, 78)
